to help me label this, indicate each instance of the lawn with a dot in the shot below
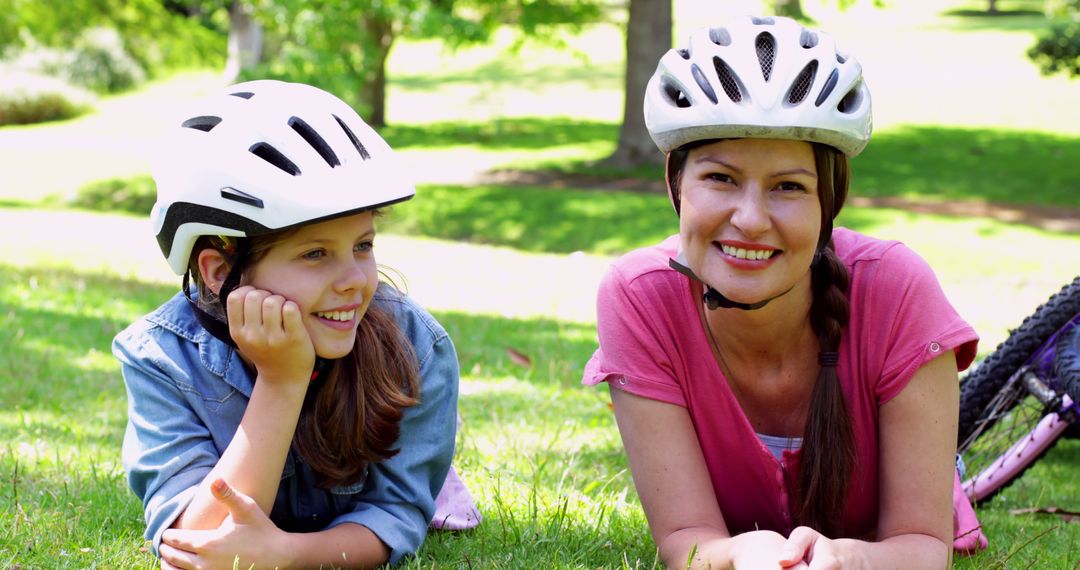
(513, 268)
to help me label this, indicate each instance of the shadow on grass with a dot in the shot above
(501, 134)
(508, 72)
(982, 165)
(536, 219)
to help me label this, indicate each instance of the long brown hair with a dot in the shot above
(351, 416)
(828, 450)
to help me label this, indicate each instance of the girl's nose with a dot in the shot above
(353, 276)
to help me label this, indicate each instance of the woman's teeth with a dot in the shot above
(747, 253)
(337, 315)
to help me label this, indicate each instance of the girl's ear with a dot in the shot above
(213, 268)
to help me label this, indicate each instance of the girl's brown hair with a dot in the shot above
(828, 450)
(351, 415)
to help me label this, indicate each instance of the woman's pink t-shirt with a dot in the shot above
(652, 345)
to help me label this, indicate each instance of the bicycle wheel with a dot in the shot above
(984, 384)
(1019, 439)
(1067, 370)
(1067, 363)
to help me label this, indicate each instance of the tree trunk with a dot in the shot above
(992, 9)
(648, 37)
(373, 83)
(245, 40)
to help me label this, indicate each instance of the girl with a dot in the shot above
(288, 409)
(786, 392)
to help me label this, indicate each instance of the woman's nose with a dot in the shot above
(751, 213)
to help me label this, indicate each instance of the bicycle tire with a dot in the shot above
(1067, 363)
(983, 384)
(1067, 370)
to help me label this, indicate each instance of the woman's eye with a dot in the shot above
(365, 246)
(314, 254)
(791, 187)
(719, 177)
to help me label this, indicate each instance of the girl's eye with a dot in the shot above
(365, 246)
(314, 254)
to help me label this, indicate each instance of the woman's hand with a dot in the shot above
(808, 548)
(760, 549)
(246, 535)
(269, 330)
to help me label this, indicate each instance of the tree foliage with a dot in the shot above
(342, 45)
(1058, 51)
(153, 32)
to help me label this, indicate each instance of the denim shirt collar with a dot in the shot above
(219, 358)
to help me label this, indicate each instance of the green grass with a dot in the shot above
(540, 454)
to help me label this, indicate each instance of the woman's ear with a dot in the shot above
(213, 268)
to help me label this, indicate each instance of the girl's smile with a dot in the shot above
(329, 270)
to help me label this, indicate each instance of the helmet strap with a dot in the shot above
(713, 299)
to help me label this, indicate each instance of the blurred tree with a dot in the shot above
(245, 39)
(648, 37)
(156, 33)
(343, 45)
(1058, 50)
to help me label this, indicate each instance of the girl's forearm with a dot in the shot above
(253, 461)
(347, 545)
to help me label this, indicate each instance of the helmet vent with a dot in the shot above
(808, 39)
(243, 94)
(727, 80)
(850, 102)
(840, 58)
(830, 83)
(316, 141)
(720, 36)
(203, 123)
(703, 83)
(683, 53)
(762, 21)
(274, 157)
(364, 154)
(674, 94)
(801, 86)
(766, 53)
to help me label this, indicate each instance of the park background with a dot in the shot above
(973, 164)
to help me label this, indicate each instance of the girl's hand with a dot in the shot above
(808, 547)
(247, 535)
(269, 330)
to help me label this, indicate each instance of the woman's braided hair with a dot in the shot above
(828, 450)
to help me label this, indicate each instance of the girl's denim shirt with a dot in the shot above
(187, 392)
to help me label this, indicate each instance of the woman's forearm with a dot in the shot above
(253, 461)
(901, 551)
(711, 549)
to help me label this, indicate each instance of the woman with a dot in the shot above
(292, 410)
(786, 392)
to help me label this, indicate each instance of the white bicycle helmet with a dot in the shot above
(263, 156)
(759, 78)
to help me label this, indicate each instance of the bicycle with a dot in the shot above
(1022, 398)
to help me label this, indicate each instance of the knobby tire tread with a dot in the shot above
(981, 385)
